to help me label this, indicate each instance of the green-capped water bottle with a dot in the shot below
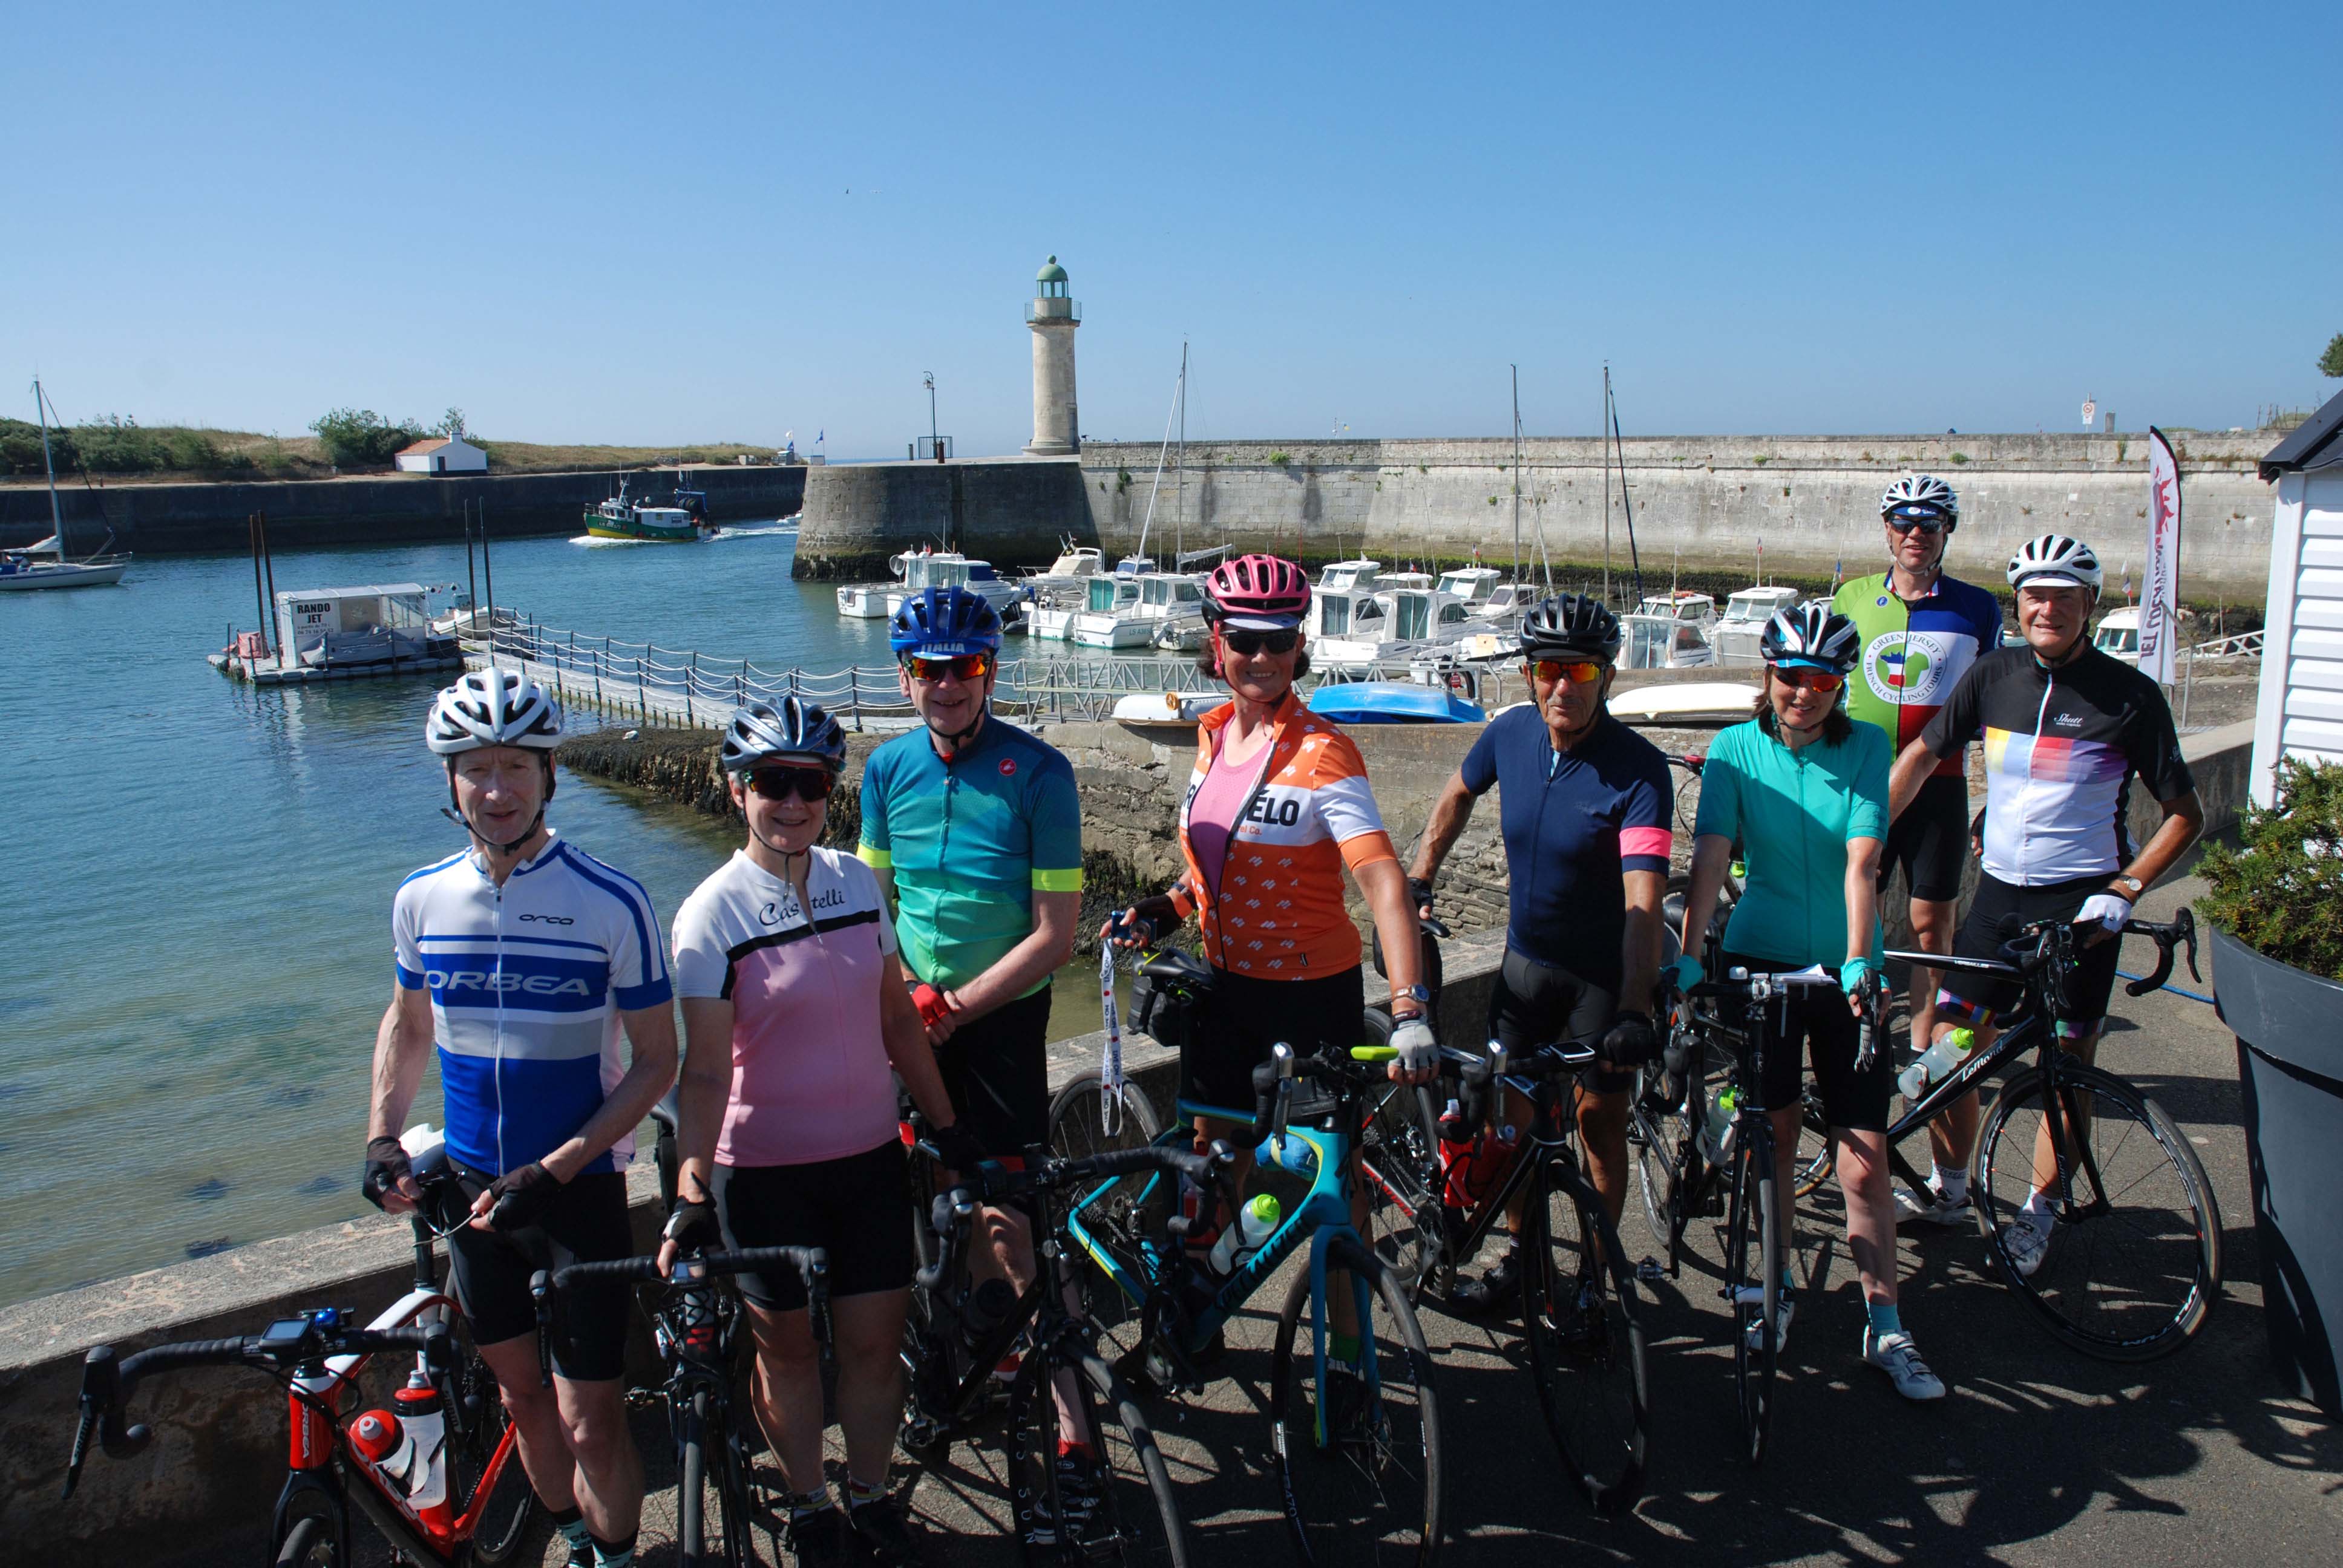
(1936, 1062)
(1255, 1223)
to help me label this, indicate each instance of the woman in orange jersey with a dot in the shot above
(1277, 807)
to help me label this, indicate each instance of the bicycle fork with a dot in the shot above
(1321, 1244)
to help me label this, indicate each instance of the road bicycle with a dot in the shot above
(2134, 1263)
(434, 1469)
(1355, 1428)
(698, 1330)
(1581, 1308)
(1095, 1489)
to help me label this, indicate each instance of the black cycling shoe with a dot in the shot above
(1082, 1492)
(887, 1541)
(817, 1540)
(1498, 1289)
(582, 1556)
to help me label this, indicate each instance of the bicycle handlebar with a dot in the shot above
(812, 1264)
(107, 1378)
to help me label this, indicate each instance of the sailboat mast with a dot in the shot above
(1179, 391)
(1180, 496)
(1602, 439)
(56, 517)
(1517, 472)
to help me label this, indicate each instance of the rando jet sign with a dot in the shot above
(2160, 583)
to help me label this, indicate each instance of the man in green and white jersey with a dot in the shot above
(1919, 632)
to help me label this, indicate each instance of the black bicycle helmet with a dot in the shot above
(1570, 625)
(1809, 634)
(793, 726)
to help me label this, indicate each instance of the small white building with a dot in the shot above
(2300, 709)
(443, 455)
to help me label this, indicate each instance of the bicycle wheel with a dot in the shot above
(1399, 1161)
(1753, 1257)
(2134, 1261)
(1359, 1465)
(309, 1544)
(1121, 1508)
(1815, 1159)
(1659, 1135)
(511, 1522)
(1581, 1315)
(1078, 1123)
(691, 1485)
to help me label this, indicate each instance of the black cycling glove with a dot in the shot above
(693, 1226)
(522, 1197)
(958, 1149)
(385, 1168)
(1419, 894)
(1629, 1041)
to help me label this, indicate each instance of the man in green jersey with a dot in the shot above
(1919, 632)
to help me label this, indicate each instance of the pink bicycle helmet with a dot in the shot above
(1257, 593)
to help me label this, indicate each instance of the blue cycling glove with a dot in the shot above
(1687, 971)
(1854, 973)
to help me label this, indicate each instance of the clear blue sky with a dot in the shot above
(588, 223)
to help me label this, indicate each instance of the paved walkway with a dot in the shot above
(2038, 1455)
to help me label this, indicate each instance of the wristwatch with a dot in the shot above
(1419, 994)
(2133, 887)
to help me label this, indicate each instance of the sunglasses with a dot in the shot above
(1251, 642)
(1580, 671)
(1927, 525)
(780, 781)
(966, 666)
(1821, 680)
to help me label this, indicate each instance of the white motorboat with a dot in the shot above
(352, 633)
(864, 601)
(1735, 637)
(26, 568)
(1165, 714)
(1107, 616)
(924, 570)
(1181, 633)
(1402, 619)
(1074, 561)
(1345, 577)
(1692, 702)
(1488, 596)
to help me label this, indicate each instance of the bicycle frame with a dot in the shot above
(1550, 1131)
(1321, 1218)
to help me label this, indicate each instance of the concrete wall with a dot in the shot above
(176, 519)
(1012, 511)
(1814, 500)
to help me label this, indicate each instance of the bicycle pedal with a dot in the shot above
(1651, 1271)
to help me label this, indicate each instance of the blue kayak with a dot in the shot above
(1391, 702)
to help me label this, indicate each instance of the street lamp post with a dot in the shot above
(934, 446)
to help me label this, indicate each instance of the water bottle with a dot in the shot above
(1256, 1223)
(1936, 1061)
(1716, 1130)
(1451, 1123)
(417, 1467)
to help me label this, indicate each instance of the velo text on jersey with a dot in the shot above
(526, 985)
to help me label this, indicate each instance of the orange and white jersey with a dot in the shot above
(1280, 911)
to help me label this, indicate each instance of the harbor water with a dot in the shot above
(195, 911)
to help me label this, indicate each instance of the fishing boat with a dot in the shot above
(26, 568)
(1735, 637)
(1391, 702)
(682, 524)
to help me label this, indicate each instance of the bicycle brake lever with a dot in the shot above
(80, 1452)
(540, 1291)
(2186, 920)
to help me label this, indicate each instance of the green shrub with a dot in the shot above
(2279, 893)
(361, 438)
(1279, 460)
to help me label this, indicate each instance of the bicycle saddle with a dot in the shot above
(664, 1112)
(1173, 964)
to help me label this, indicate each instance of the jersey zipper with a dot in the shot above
(2026, 792)
(498, 891)
(1260, 783)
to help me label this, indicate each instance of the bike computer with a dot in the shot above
(689, 1272)
(285, 1334)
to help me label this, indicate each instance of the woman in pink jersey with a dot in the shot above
(795, 1022)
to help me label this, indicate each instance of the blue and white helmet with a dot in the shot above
(1921, 496)
(793, 726)
(944, 623)
(1810, 635)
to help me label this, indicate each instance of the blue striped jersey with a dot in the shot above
(526, 983)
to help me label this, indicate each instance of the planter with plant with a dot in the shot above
(2276, 906)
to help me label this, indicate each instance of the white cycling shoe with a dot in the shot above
(1895, 1355)
(1783, 1306)
(1930, 1205)
(2026, 1243)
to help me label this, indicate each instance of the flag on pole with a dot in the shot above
(2160, 579)
(1839, 571)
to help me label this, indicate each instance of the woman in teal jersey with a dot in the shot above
(1804, 790)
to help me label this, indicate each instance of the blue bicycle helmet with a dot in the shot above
(944, 622)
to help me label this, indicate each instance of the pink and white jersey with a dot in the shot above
(811, 1079)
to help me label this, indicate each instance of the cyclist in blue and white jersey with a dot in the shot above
(522, 959)
(2065, 728)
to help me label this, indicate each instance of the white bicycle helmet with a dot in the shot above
(2054, 560)
(794, 727)
(1921, 496)
(493, 707)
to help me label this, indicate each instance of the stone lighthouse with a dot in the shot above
(1057, 428)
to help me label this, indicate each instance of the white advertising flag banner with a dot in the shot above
(2160, 583)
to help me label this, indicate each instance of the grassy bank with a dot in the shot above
(122, 451)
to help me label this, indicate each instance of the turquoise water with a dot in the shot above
(196, 915)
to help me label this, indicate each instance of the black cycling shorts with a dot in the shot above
(1534, 1004)
(996, 1068)
(584, 1224)
(1246, 1015)
(857, 1208)
(1818, 1015)
(2001, 910)
(1930, 840)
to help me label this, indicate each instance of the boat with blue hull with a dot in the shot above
(1391, 702)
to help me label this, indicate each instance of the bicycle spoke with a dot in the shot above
(1581, 1315)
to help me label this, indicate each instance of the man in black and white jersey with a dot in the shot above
(2064, 728)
